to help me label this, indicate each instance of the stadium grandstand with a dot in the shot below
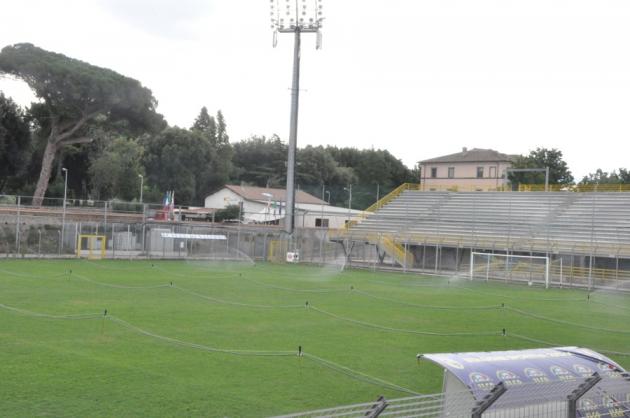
(585, 237)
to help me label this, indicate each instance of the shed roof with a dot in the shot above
(261, 194)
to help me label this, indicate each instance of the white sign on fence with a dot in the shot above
(193, 236)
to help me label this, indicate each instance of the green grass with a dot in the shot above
(98, 367)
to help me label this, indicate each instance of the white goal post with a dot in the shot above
(529, 268)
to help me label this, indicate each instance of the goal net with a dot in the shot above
(509, 267)
(91, 246)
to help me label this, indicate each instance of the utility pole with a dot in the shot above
(297, 17)
(349, 190)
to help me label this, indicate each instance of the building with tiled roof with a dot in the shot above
(469, 170)
(265, 205)
(263, 194)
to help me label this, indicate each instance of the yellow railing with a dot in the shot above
(575, 188)
(501, 188)
(397, 251)
(568, 247)
(389, 244)
(582, 273)
(382, 202)
(464, 188)
(392, 195)
(386, 241)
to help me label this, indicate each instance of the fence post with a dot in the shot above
(111, 241)
(378, 407)
(405, 257)
(17, 228)
(105, 219)
(76, 237)
(144, 251)
(574, 397)
(129, 241)
(488, 400)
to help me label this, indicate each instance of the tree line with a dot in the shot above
(103, 128)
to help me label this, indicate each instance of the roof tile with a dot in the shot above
(472, 155)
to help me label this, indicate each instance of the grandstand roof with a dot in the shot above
(261, 194)
(472, 155)
(481, 371)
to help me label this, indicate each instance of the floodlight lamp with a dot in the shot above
(292, 18)
(306, 18)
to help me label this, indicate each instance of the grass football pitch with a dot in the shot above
(174, 338)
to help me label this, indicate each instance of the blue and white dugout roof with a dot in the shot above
(480, 372)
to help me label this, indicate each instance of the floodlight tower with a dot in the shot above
(297, 17)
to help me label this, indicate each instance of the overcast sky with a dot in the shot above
(418, 78)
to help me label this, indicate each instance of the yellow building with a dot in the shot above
(469, 170)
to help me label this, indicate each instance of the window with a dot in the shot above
(433, 172)
(451, 172)
(493, 172)
(479, 172)
(321, 222)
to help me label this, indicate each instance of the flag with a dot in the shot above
(172, 206)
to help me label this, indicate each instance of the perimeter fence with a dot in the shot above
(604, 394)
(36, 236)
(131, 230)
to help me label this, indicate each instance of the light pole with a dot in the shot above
(141, 186)
(349, 189)
(63, 216)
(268, 196)
(294, 16)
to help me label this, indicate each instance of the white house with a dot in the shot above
(266, 205)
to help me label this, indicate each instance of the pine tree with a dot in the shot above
(222, 136)
(207, 125)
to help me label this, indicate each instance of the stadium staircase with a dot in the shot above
(394, 250)
(566, 222)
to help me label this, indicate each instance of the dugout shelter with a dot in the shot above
(538, 381)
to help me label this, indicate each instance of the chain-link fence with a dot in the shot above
(34, 236)
(30, 235)
(128, 230)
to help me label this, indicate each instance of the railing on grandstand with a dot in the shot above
(582, 188)
(392, 195)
